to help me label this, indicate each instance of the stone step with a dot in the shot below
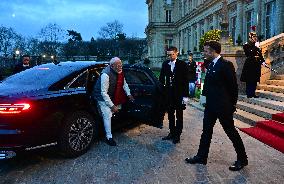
(275, 82)
(240, 124)
(279, 77)
(257, 110)
(247, 117)
(273, 88)
(268, 103)
(270, 95)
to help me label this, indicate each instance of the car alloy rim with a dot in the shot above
(81, 134)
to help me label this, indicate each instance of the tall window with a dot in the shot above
(168, 43)
(168, 16)
(270, 19)
(233, 29)
(249, 16)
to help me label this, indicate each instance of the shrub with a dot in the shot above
(209, 36)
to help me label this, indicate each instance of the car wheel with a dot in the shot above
(77, 134)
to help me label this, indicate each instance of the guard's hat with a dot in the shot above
(252, 33)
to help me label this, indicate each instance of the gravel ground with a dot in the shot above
(142, 157)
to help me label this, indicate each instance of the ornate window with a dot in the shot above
(270, 19)
(249, 21)
(168, 43)
(233, 29)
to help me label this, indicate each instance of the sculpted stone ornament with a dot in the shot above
(225, 24)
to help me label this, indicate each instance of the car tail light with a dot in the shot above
(14, 108)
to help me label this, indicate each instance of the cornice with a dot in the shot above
(196, 12)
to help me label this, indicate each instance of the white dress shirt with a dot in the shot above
(216, 59)
(172, 63)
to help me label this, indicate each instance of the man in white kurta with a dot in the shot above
(110, 91)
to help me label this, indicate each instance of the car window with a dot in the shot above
(80, 81)
(137, 77)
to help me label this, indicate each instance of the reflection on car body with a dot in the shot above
(52, 105)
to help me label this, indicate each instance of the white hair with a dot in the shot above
(113, 60)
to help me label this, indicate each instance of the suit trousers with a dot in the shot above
(227, 122)
(250, 88)
(175, 113)
(175, 117)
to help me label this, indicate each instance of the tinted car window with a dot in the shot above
(137, 77)
(43, 75)
(80, 81)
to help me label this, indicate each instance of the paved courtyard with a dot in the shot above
(142, 157)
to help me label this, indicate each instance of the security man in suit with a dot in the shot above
(221, 91)
(25, 64)
(252, 67)
(174, 77)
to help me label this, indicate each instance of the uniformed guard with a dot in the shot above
(252, 67)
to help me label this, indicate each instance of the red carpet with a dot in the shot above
(269, 132)
(278, 117)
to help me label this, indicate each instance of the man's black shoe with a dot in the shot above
(176, 139)
(248, 96)
(254, 96)
(168, 137)
(238, 165)
(111, 142)
(196, 160)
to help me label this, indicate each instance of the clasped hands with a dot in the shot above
(115, 108)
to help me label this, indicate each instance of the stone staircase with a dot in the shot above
(270, 101)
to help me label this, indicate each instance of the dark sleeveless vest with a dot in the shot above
(112, 84)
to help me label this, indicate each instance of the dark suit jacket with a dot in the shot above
(180, 81)
(19, 67)
(221, 88)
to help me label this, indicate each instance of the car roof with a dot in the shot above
(43, 76)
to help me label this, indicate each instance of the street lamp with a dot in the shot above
(17, 52)
(52, 57)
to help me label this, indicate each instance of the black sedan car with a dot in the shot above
(52, 104)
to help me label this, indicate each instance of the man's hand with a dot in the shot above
(114, 109)
(131, 98)
(185, 100)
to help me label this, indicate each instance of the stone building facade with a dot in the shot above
(183, 22)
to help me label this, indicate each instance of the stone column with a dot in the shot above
(215, 21)
(190, 47)
(239, 20)
(181, 41)
(188, 38)
(182, 9)
(279, 16)
(198, 34)
(206, 22)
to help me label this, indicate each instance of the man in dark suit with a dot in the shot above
(25, 64)
(221, 91)
(174, 77)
